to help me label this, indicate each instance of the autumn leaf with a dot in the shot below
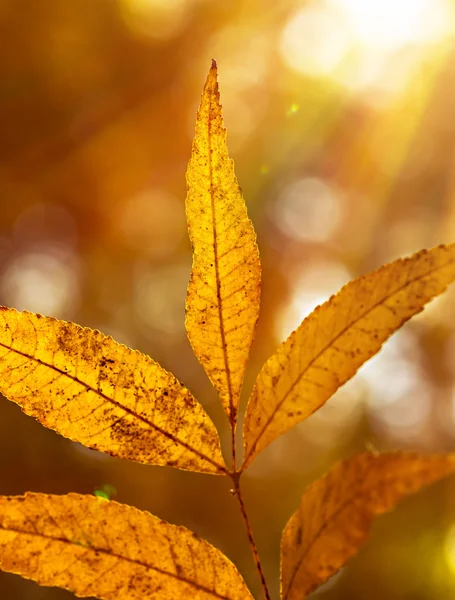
(223, 293)
(337, 511)
(95, 391)
(336, 339)
(95, 547)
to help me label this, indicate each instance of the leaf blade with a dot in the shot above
(330, 345)
(343, 505)
(91, 389)
(74, 541)
(222, 304)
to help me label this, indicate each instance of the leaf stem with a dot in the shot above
(236, 481)
(234, 466)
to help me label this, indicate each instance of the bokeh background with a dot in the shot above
(340, 117)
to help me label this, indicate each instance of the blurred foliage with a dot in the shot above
(340, 120)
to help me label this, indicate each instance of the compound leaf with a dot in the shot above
(222, 304)
(95, 391)
(336, 339)
(337, 511)
(94, 547)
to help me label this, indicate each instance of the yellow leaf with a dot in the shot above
(95, 391)
(337, 511)
(95, 547)
(223, 293)
(336, 339)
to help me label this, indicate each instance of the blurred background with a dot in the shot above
(340, 117)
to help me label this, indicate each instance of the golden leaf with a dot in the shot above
(95, 391)
(337, 511)
(95, 547)
(336, 339)
(223, 293)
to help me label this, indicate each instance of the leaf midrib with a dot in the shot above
(232, 415)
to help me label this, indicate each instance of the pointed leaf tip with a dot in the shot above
(214, 65)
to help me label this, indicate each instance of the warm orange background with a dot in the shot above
(341, 122)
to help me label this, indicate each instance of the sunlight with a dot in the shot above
(390, 24)
(43, 280)
(312, 287)
(308, 209)
(358, 44)
(312, 41)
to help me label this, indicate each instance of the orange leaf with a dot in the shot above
(94, 547)
(95, 391)
(223, 293)
(337, 511)
(336, 339)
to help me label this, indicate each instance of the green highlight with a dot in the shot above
(106, 492)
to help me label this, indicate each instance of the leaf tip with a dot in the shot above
(211, 84)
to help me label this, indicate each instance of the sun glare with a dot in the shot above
(390, 24)
(353, 41)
